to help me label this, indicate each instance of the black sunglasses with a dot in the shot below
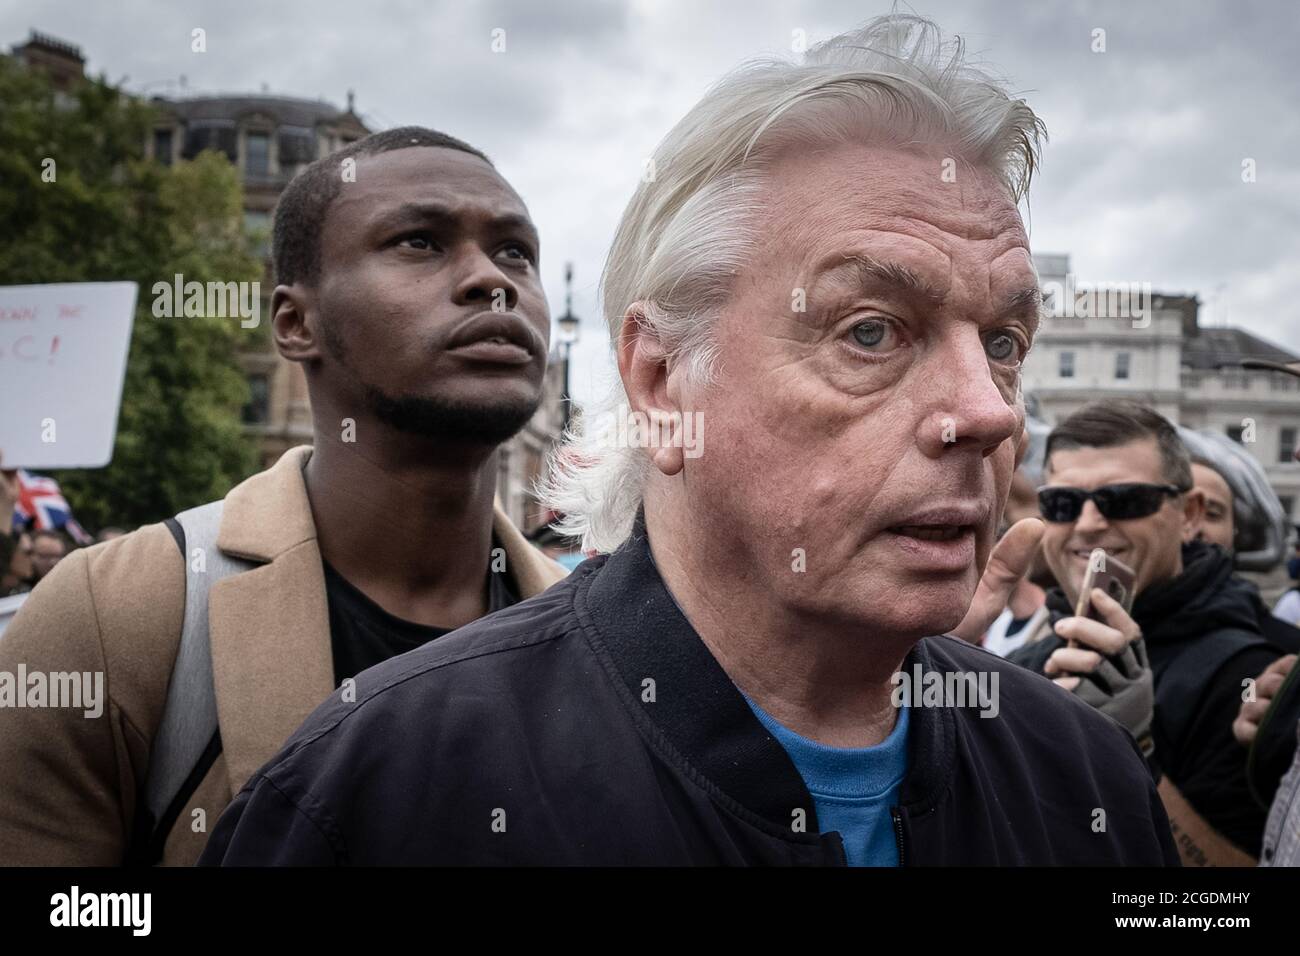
(1122, 502)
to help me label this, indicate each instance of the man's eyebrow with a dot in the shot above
(1026, 303)
(1028, 300)
(902, 279)
(425, 212)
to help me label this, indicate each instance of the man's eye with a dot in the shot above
(420, 240)
(519, 250)
(1002, 347)
(875, 334)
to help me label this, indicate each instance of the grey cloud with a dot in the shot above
(1141, 177)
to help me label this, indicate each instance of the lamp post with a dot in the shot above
(568, 325)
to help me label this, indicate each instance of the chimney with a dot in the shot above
(62, 61)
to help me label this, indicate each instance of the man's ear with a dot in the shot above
(643, 366)
(295, 337)
(1193, 513)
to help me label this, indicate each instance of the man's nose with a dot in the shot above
(1090, 518)
(968, 408)
(480, 280)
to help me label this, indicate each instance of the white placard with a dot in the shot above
(63, 352)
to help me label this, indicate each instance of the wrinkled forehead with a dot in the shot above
(956, 222)
(847, 183)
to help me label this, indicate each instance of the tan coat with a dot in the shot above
(69, 784)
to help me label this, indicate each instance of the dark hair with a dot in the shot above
(54, 533)
(300, 212)
(1113, 422)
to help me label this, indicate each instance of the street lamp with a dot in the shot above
(568, 324)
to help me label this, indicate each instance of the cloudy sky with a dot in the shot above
(1141, 179)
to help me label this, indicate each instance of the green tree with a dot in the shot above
(110, 214)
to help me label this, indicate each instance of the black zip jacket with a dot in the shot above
(590, 725)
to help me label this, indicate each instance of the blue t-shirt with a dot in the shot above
(853, 789)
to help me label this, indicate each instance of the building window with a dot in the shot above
(1066, 365)
(1234, 378)
(1121, 364)
(162, 146)
(1235, 433)
(258, 409)
(257, 224)
(257, 159)
(220, 135)
(297, 147)
(1286, 446)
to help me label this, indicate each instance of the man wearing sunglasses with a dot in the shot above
(1117, 477)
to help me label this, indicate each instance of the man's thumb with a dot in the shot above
(1008, 563)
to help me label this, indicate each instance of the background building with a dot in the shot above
(1187, 372)
(269, 140)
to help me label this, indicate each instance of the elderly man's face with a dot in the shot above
(873, 429)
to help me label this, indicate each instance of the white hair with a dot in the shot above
(688, 228)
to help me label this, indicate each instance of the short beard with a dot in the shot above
(435, 418)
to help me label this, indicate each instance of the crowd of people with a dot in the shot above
(1191, 667)
(29, 552)
(719, 682)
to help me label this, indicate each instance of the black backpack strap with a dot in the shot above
(178, 535)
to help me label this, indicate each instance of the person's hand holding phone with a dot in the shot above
(1089, 642)
(1108, 668)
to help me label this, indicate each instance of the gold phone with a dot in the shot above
(1110, 574)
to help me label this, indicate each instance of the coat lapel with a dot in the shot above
(272, 662)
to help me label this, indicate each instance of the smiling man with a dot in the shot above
(828, 272)
(409, 292)
(1119, 478)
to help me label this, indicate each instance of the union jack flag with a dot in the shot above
(42, 506)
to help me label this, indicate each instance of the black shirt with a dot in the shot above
(363, 634)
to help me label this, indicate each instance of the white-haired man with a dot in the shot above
(830, 273)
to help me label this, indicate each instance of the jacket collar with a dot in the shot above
(272, 662)
(1206, 596)
(270, 514)
(628, 608)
